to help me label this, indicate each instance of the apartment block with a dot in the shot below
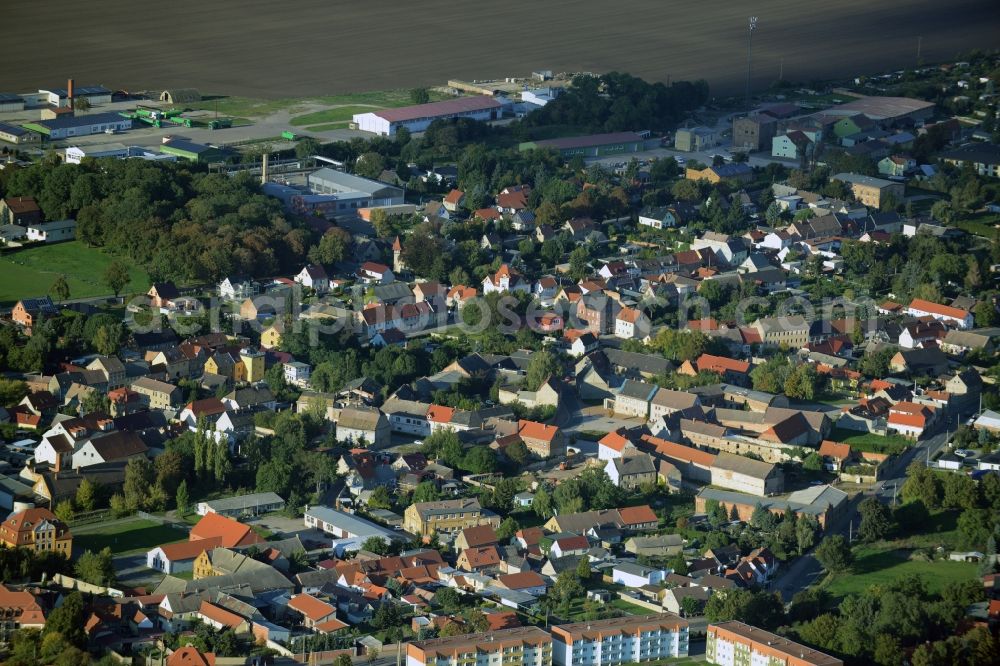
(521, 646)
(426, 518)
(622, 640)
(737, 644)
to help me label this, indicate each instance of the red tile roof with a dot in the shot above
(189, 550)
(836, 450)
(637, 515)
(221, 615)
(190, 656)
(721, 364)
(938, 309)
(614, 440)
(311, 607)
(232, 533)
(535, 430)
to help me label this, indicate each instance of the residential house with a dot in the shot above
(631, 472)
(36, 529)
(596, 312)
(504, 280)
(116, 446)
(746, 475)
(27, 311)
(631, 324)
(315, 278)
(363, 424)
(919, 307)
(426, 518)
(636, 575)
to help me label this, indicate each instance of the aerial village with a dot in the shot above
(585, 401)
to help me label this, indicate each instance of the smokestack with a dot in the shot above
(263, 169)
(69, 92)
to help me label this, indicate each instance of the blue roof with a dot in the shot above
(13, 129)
(10, 97)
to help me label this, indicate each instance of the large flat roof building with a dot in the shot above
(885, 108)
(521, 646)
(734, 643)
(94, 123)
(620, 640)
(594, 145)
(417, 118)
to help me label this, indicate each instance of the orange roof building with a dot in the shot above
(37, 529)
(190, 656)
(21, 608)
(231, 533)
(314, 611)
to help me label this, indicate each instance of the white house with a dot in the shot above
(375, 273)
(236, 288)
(955, 316)
(52, 232)
(297, 373)
(315, 278)
(636, 575)
(614, 445)
(407, 416)
(174, 558)
(631, 324)
(117, 446)
(505, 279)
(343, 525)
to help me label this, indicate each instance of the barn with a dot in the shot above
(180, 96)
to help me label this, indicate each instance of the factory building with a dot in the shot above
(11, 102)
(94, 123)
(76, 154)
(15, 134)
(65, 96)
(419, 117)
(193, 152)
(595, 145)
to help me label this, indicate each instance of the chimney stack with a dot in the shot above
(69, 92)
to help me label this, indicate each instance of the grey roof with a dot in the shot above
(743, 465)
(868, 181)
(812, 501)
(80, 121)
(447, 506)
(393, 291)
(637, 464)
(341, 182)
(359, 418)
(244, 502)
(634, 569)
(678, 400)
(14, 130)
(352, 523)
(647, 363)
(638, 390)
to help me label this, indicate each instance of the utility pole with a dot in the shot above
(752, 27)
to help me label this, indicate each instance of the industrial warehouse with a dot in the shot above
(595, 145)
(419, 117)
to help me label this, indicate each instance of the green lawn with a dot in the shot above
(335, 115)
(981, 224)
(880, 565)
(31, 271)
(326, 127)
(866, 441)
(131, 535)
(632, 609)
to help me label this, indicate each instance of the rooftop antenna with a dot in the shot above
(752, 26)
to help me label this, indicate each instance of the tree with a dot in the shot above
(686, 190)
(448, 598)
(426, 491)
(986, 313)
(975, 527)
(60, 289)
(370, 165)
(578, 263)
(96, 568)
(583, 568)
(68, 620)
(813, 462)
(12, 391)
(95, 402)
(116, 276)
(542, 504)
(922, 484)
(518, 452)
(690, 606)
(543, 364)
(480, 460)
(81, 104)
(138, 483)
(507, 529)
(380, 498)
(306, 147)
(375, 544)
(420, 95)
(678, 564)
(567, 586)
(876, 520)
(86, 495)
(183, 499)
(332, 247)
(64, 511)
(107, 339)
(834, 554)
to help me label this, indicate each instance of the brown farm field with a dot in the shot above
(305, 48)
